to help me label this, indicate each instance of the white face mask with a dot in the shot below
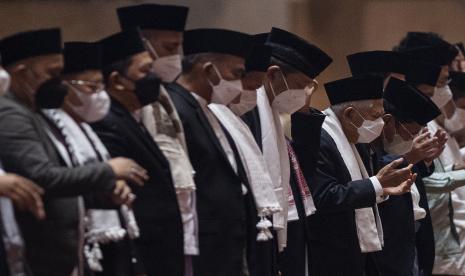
(94, 106)
(225, 91)
(442, 95)
(398, 146)
(456, 122)
(369, 130)
(290, 100)
(5, 81)
(248, 102)
(167, 68)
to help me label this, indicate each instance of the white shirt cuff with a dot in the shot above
(378, 189)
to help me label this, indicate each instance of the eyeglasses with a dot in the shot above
(94, 85)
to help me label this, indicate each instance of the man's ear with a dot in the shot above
(389, 127)
(276, 79)
(114, 81)
(349, 116)
(15, 69)
(210, 73)
(272, 72)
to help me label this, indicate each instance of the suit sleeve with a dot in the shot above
(329, 192)
(441, 182)
(23, 153)
(113, 139)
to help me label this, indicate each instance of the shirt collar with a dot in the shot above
(199, 99)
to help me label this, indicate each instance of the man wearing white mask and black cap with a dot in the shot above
(256, 66)
(399, 208)
(288, 85)
(132, 85)
(407, 113)
(107, 248)
(162, 28)
(34, 148)
(213, 66)
(346, 226)
(260, 257)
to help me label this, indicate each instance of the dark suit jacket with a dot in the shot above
(156, 207)
(398, 254)
(306, 132)
(220, 203)
(332, 230)
(252, 120)
(51, 244)
(425, 235)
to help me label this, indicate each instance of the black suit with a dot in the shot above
(252, 119)
(222, 209)
(51, 244)
(425, 236)
(306, 132)
(156, 207)
(398, 254)
(332, 230)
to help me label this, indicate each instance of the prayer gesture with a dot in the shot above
(396, 181)
(422, 147)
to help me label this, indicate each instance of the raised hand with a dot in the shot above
(390, 176)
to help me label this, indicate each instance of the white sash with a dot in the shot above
(369, 227)
(252, 158)
(277, 159)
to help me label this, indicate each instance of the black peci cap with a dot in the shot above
(298, 53)
(153, 16)
(357, 88)
(82, 56)
(375, 62)
(30, 44)
(406, 103)
(259, 58)
(120, 46)
(219, 41)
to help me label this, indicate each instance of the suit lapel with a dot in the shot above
(135, 129)
(200, 116)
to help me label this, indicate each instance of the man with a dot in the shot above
(444, 187)
(256, 65)
(389, 64)
(87, 102)
(407, 113)
(131, 86)
(288, 85)
(162, 28)
(431, 48)
(34, 61)
(260, 257)
(254, 77)
(25, 195)
(212, 69)
(343, 231)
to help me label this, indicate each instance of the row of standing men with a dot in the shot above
(147, 162)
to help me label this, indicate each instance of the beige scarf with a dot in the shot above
(163, 123)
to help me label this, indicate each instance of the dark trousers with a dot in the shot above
(292, 260)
